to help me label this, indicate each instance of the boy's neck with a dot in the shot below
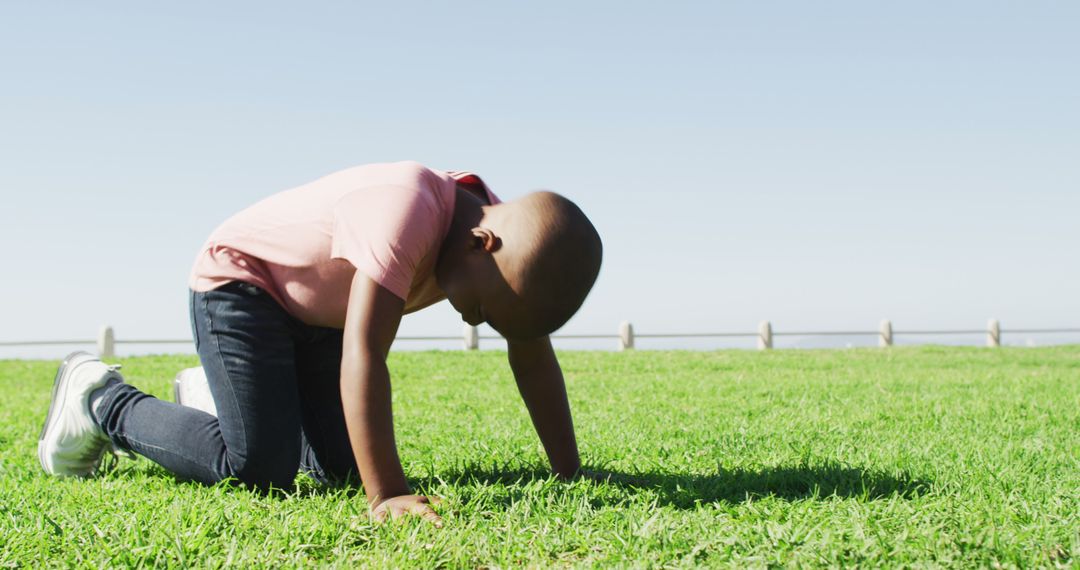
(468, 212)
(475, 190)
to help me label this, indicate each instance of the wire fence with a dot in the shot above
(625, 339)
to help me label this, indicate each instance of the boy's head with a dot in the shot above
(524, 267)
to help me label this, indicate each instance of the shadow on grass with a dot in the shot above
(679, 490)
(685, 490)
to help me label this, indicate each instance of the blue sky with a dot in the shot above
(822, 165)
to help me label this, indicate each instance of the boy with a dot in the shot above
(295, 302)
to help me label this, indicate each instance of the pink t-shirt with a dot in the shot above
(304, 245)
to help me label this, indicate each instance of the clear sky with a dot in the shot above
(819, 164)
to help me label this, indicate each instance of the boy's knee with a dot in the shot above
(335, 465)
(336, 476)
(265, 471)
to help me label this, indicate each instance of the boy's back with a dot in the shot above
(303, 245)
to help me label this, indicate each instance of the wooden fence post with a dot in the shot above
(885, 333)
(471, 337)
(626, 336)
(993, 333)
(106, 342)
(764, 339)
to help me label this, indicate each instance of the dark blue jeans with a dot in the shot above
(275, 382)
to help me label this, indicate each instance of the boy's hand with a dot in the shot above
(408, 505)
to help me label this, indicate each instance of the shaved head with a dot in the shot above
(549, 256)
(524, 267)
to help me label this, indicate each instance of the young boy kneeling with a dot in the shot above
(295, 302)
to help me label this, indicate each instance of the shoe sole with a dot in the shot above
(59, 387)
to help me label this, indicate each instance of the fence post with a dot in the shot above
(106, 342)
(471, 336)
(885, 332)
(626, 336)
(764, 339)
(993, 333)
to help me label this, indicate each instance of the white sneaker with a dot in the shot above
(191, 389)
(71, 442)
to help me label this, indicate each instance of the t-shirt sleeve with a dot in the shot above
(386, 232)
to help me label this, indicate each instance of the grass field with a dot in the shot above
(909, 456)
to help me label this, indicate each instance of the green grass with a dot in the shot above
(925, 456)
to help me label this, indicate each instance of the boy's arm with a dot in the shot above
(540, 381)
(371, 323)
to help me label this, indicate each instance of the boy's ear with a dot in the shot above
(485, 239)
